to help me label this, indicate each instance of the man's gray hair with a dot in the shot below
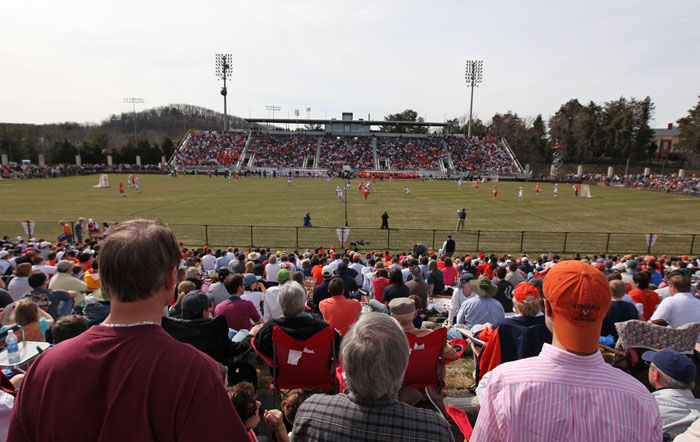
(375, 356)
(291, 298)
(672, 382)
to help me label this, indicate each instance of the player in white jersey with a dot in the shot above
(520, 194)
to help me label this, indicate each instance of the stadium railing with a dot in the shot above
(469, 241)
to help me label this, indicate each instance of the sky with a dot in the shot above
(74, 60)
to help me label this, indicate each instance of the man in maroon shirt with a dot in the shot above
(240, 314)
(127, 379)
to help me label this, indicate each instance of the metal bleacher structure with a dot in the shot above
(319, 152)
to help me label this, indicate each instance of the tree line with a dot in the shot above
(613, 131)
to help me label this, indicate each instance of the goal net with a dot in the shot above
(585, 191)
(104, 181)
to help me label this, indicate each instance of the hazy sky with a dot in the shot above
(72, 60)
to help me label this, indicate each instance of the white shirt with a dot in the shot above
(18, 287)
(678, 408)
(46, 270)
(208, 262)
(271, 272)
(271, 307)
(256, 298)
(458, 298)
(358, 267)
(678, 310)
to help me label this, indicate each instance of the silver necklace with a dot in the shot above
(130, 324)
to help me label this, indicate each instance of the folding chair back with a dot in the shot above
(303, 364)
(425, 359)
(640, 334)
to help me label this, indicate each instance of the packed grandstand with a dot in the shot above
(316, 150)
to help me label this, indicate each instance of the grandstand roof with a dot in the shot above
(335, 121)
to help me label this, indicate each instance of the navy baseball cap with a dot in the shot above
(466, 278)
(677, 365)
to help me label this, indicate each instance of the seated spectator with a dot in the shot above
(681, 307)
(577, 297)
(643, 294)
(273, 418)
(246, 403)
(218, 289)
(375, 344)
(294, 322)
(505, 289)
(182, 289)
(672, 374)
(417, 286)
(68, 327)
(463, 292)
(396, 287)
(435, 280)
(481, 309)
(91, 277)
(240, 314)
(35, 321)
(619, 311)
(339, 311)
(270, 300)
(64, 280)
(255, 292)
(19, 285)
(449, 272)
(56, 303)
(379, 284)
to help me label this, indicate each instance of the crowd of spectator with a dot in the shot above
(474, 156)
(355, 152)
(281, 150)
(211, 148)
(411, 153)
(28, 171)
(60, 289)
(661, 183)
(479, 155)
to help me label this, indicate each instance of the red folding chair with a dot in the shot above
(425, 361)
(308, 364)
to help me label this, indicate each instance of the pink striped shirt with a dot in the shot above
(559, 396)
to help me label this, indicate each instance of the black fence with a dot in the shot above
(469, 241)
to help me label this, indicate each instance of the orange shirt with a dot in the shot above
(340, 312)
(66, 229)
(648, 298)
(316, 272)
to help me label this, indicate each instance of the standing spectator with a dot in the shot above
(385, 221)
(79, 230)
(449, 246)
(461, 217)
(157, 402)
(577, 297)
(66, 233)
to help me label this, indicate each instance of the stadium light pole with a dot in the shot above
(474, 74)
(134, 101)
(224, 68)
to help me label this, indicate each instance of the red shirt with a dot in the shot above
(378, 286)
(135, 383)
(648, 298)
(340, 312)
(238, 312)
(449, 274)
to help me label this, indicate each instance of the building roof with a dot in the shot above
(666, 132)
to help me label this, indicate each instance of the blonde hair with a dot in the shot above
(531, 306)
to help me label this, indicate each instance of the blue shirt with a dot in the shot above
(480, 310)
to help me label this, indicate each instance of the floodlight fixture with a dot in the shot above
(474, 74)
(224, 70)
(134, 101)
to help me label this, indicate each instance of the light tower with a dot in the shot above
(224, 69)
(474, 74)
(133, 101)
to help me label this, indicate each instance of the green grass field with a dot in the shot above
(188, 203)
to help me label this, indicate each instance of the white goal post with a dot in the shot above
(103, 182)
(585, 191)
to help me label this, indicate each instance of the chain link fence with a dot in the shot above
(469, 241)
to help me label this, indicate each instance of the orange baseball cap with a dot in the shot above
(579, 295)
(523, 290)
